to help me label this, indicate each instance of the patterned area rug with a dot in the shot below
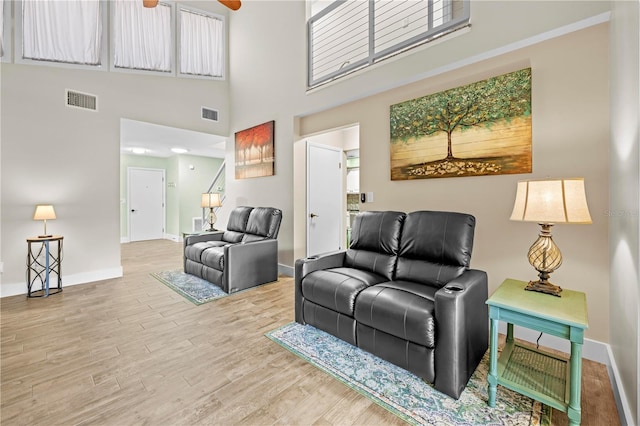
(405, 394)
(193, 288)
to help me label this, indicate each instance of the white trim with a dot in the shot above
(622, 402)
(285, 270)
(172, 237)
(15, 289)
(124, 240)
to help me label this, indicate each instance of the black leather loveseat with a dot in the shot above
(243, 256)
(404, 292)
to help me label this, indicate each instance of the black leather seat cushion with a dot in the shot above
(400, 308)
(337, 288)
(194, 251)
(213, 257)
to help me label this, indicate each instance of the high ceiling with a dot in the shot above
(157, 140)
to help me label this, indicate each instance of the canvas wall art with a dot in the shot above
(483, 128)
(255, 154)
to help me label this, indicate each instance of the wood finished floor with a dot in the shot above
(132, 351)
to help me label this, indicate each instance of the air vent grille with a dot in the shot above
(209, 114)
(81, 100)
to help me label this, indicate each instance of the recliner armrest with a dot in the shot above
(198, 238)
(250, 264)
(462, 330)
(304, 267)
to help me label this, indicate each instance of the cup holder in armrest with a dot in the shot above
(453, 289)
(311, 258)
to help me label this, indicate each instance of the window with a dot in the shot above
(142, 37)
(349, 35)
(201, 44)
(50, 31)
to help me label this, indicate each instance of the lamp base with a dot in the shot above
(544, 287)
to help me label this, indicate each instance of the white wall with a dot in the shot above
(71, 158)
(624, 203)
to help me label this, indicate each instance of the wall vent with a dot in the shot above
(198, 224)
(209, 114)
(81, 100)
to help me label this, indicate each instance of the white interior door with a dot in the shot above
(146, 204)
(325, 194)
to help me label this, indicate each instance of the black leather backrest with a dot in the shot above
(237, 224)
(435, 247)
(264, 223)
(375, 241)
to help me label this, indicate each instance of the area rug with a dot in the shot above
(405, 394)
(195, 289)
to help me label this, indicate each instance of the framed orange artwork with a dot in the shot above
(255, 154)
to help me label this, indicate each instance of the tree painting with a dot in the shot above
(482, 128)
(255, 156)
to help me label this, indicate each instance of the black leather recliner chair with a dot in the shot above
(243, 256)
(404, 292)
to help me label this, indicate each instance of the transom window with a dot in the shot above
(346, 35)
(75, 33)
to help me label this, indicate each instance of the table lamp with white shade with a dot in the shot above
(44, 212)
(210, 200)
(549, 201)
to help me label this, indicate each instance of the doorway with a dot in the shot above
(324, 200)
(341, 141)
(146, 203)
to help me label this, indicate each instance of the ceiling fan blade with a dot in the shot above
(149, 3)
(231, 4)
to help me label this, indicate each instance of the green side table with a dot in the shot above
(544, 377)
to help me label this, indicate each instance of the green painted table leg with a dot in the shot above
(573, 411)
(492, 378)
(509, 332)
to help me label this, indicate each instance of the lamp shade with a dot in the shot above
(210, 200)
(44, 212)
(551, 201)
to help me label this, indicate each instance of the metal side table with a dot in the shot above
(41, 263)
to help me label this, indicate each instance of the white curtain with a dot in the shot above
(62, 31)
(201, 44)
(142, 36)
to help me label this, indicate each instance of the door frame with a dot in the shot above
(342, 193)
(164, 199)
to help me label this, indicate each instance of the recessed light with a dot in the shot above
(138, 150)
(179, 150)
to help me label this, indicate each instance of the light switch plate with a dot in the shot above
(369, 197)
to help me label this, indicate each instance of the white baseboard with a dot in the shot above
(285, 270)
(172, 237)
(622, 403)
(15, 289)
